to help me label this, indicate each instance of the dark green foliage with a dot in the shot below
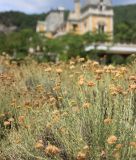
(95, 37)
(117, 59)
(125, 24)
(93, 55)
(18, 43)
(125, 13)
(72, 45)
(125, 32)
(130, 58)
(20, 20)
(67, 46)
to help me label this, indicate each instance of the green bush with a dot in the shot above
(130, 58)
(117, 59)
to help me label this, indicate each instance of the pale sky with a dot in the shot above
(39, 6)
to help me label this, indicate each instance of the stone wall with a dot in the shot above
(54, 20)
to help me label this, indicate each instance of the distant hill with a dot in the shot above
(126, 13)
(21, 20)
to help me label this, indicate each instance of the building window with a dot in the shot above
(101, 5)
(101, 28)
(75, 26)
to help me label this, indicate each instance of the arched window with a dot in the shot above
(101, 27)
(75, 27)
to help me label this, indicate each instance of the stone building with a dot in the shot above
(91, 16)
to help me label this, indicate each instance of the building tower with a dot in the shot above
(102, 15)
(77, 7)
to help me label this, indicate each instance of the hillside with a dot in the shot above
(125, 14)
(21, 20)
(125, 24)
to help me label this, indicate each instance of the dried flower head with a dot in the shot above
(91, 84)
(99, 71)
(81, 59)
(132, 78)
(81, 82)
(7, 123)
(95, 64)
(39, 145)
(133, 144)
(48, 69)
(81, 156)
(86, 105)
(112, 139)
(107, 121)
(21, 119)
(59, 70)
(52, 150)
(72, 67)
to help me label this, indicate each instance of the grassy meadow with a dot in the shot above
(67, 111)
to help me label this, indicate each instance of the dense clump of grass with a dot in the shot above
(74, 111)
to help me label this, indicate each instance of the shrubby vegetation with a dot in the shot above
(78, 110)
(67, 111)
(125, 32)
(18, 44)
(20, 20)
(125, 24)
(72, 45)
(27, 42)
